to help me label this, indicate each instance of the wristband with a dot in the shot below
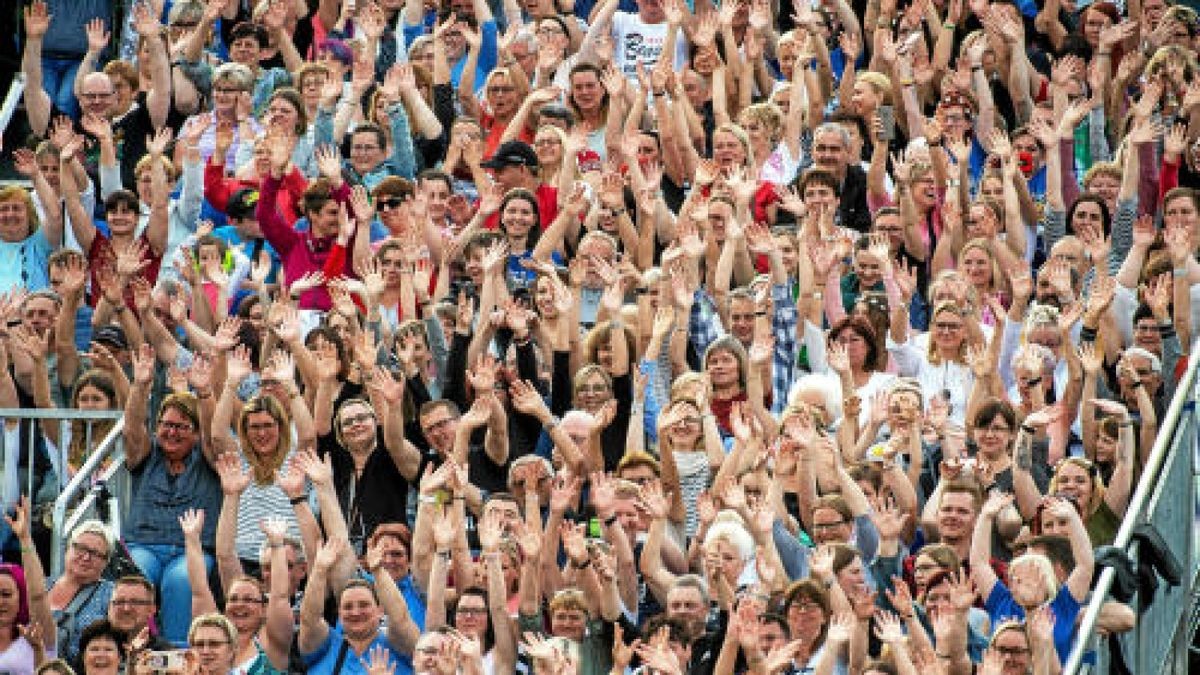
(610, 521)
(1028, 429)
(1179, 272)
(760, 314)
(296, 501)
(949, 26)
(582, 566)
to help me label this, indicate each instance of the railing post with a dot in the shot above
(1159, 496)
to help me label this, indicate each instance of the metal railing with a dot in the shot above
(106, 495)
(66, 494)
(1166, 496)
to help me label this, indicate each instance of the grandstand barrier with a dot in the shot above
(1166, 497)
(97, 490)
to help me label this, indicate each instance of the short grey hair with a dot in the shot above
(186, 11)
(1155, 362)
(692, 581)
(834, 128)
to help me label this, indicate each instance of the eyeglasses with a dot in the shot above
(245, 600)
(472, 611)
(947, 326)
(227, 90)
(803, 606)
(391, 203)
(85, 551)
(544, 142)
(167, 425)
(363, 148)
(996, 429)
(440, 424)
(365, 418)
(209, 644)
(1011, 651)
(130, 602)
(548, 31)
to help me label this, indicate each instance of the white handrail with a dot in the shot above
(80, 481)
(1133, 512)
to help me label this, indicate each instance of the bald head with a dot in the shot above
(97, 95)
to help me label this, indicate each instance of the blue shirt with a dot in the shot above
(1000, 605)
(324, 659)
(159, 499)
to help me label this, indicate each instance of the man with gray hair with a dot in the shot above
(831, 152)
(1140, 370)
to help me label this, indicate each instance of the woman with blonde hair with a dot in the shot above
(770, 132)
(264, 442)
(982, 270)
(942, 367)
(691, 452)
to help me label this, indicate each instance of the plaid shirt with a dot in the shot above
(783, 325)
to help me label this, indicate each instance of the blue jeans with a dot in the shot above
(58, 79)
(166, 568)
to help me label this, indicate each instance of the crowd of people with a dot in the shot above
(592, 336)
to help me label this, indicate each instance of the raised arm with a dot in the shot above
(313, 629)
(192, 522)
(981, 543)
(234, 481)
(35, 578)
(135, 433)
(158, 98)
(37, 101)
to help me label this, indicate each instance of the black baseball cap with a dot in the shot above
(512, 153)
(242, 204)
(111, 336)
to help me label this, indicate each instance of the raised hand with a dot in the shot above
(234, 478)
(97, 36)
(143, 364)
(192, 523)
(37, 20)
(996, 502)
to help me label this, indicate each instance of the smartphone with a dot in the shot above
(876, 453)
(171, 660)
(887, 118)
(594, 530)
